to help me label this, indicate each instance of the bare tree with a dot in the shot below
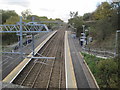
(26, 13)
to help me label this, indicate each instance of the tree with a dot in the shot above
(116, 7)
(43, 18)
(106, 22)
(104, 10)
(58, 19)
(73, 14)
(108, 73)
(87, 16)
(77, 22)
(76, 14)
(36, 18)
(12, 20)
(6, 14)
(26, 13)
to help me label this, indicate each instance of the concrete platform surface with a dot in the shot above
(70, 76)
(84, 77)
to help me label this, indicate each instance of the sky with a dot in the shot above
(51, 8)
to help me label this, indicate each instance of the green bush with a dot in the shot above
(104, 70)
(9, 38)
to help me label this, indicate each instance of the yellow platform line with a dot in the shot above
(15, 72)
(70, 76)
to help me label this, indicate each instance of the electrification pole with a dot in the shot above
(21, 43)
(33, 40)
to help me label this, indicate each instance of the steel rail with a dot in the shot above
(47, 86)
(40, 70)
(60, 77)
(62, 50)
(35, 63)
(57, 49)
(32, 67)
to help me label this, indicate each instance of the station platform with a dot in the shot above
(11, 86)
(15, 72)
(69, 70)
(84, 77)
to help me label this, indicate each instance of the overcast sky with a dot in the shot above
(51, 8)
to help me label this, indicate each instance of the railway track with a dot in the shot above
(10, 61)
(55, 68)
(21, 76)
(46, 73)
(58, 65)
(35, 66)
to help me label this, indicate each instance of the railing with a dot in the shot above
(103, 53)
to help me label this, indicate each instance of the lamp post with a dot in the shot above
(73, 27)
(117, 44)
(83, 28)
(86, 30)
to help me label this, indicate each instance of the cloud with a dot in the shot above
(47, 10)
(51, 8)
(23, 3)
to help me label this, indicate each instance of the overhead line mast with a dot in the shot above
(22, 27)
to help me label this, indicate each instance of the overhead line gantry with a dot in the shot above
(21, 28)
